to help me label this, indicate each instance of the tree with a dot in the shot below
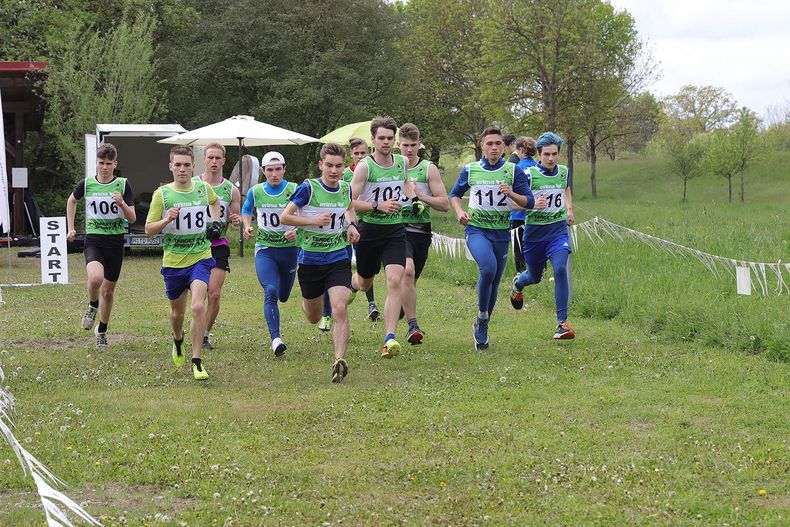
(309, 66)
(744, 142)
(719, 158)
(684, 147)
(101, 78)
(443, 49)
(705, 108)
(570, 61)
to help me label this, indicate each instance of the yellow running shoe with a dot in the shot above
(325, 324)
(199, 373)
(390, 349)
(177, 354)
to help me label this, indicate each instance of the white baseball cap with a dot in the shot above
(272, 158)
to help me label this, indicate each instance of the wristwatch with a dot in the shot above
(375, 205)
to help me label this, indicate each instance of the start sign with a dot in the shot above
(54, 259)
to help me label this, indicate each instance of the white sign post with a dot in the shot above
(54, 258)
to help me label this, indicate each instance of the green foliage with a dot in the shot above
(704, 108)
(101, 78)
(446, 78)
(684, 147)
(308, 66)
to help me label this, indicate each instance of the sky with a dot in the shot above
(741, 46)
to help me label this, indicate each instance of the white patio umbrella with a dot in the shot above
(241, 130)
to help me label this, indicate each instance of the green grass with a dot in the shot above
(615, 427)
(663, 411)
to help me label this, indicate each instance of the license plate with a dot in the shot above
(145, 240)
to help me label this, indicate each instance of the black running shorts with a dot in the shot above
(380, 245)
(221, 255)
(417, 246)
(110, 258)
(315, 279)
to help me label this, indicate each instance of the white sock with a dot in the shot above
(276, 343)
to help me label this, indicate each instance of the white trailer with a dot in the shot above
(142, 161)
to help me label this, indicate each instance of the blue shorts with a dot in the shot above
(178, 279)
(538, 253)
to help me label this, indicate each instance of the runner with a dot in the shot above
(108, 205)
(179, 210)
(525, 147)
(275, 243)
(321, 209)
(359, 149)
(546, 231)
(230, 202)
(493, 184)
(380, 183)
(509, 151)
(430, 190)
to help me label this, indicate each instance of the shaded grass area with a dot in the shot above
(619, 426)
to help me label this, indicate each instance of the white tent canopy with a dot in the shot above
(240, 129)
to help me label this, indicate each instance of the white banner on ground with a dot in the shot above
(54, 258)
(743, 277)
(5, 216)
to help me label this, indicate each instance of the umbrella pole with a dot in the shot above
(241, 180)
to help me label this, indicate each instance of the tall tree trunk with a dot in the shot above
(685, 181)
(436, 152)
(593, 159)
(742, 197)
(570, 161)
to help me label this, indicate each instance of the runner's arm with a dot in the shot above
(235, 206)
(71, 211)
(358, 185)
(154, 223)
(438, 200)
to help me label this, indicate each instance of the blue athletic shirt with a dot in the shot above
(523, 164)
(541, 233)
(301, 198)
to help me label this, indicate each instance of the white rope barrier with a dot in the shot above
(597, 230)
(51, 498)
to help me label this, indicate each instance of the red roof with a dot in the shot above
(26, 65)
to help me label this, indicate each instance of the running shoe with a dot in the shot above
(373, 312)
(516, 296)
(101, 339)
(390, 349)
(325, 324)
(339, 370)
(278, 347)
(564, 331)
(207, 345)
(415, 336)
(199, 373)
(480, 333)
(89, 318)
(177, 354)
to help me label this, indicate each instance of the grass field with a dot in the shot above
(662, 412)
